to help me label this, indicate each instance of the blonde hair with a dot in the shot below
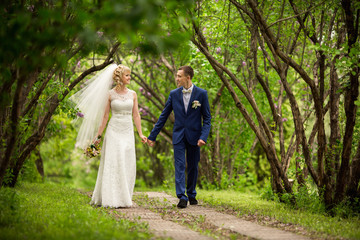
(118, 74)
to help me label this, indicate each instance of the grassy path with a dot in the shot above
(53, 211)
(157, 224)
(247, 217)
(311, 223)
(199, 219)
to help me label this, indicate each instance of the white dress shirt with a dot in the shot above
(186, 97)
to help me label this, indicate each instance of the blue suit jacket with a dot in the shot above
(193, 125)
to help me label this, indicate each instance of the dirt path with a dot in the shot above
(159, 211)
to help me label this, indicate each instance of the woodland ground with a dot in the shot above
(54, 211)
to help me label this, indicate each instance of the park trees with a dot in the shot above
(304, 55)
(43, 43)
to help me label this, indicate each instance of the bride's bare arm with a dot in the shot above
(105, 119)
(137, 118)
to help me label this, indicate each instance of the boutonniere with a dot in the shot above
(196, 104)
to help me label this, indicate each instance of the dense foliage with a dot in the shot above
(300, 69)
(282, 78)
(43, 45)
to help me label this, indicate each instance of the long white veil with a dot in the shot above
(92, 100)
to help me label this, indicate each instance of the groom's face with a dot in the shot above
(181, 79)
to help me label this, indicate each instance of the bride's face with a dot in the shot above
(126, 77)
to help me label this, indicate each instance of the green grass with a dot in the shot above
(53, 211)
(251, 204)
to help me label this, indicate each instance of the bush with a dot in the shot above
(267, 193)
(9, 206)
(347, 208)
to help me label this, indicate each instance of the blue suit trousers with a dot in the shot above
(186, 155)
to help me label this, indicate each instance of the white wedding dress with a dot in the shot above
(117, 171)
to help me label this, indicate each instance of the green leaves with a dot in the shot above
(44, 42)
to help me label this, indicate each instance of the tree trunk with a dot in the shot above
(36, 137)
(33, 141)
(351, 95)
(13, 129)
(333, 152)
(39, 163)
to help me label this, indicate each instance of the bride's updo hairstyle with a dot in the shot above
(118, 74)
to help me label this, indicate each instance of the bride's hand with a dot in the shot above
(143, 139)
(97, 140)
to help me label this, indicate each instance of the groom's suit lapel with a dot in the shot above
(191, 99)
(181, 101)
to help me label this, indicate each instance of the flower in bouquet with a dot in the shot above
(93, 150)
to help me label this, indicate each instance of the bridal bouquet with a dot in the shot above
(93, 150)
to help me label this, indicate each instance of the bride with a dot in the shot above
(116, 176)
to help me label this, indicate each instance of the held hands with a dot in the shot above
(143, 139)
(200, 143)
(150, 143)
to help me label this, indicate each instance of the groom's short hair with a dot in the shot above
(189, 71)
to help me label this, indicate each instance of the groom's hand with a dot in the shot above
(150, 143)
(201, 142)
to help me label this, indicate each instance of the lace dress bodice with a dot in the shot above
(121, 111)
(121, 104)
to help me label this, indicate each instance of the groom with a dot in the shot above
(191, 129)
